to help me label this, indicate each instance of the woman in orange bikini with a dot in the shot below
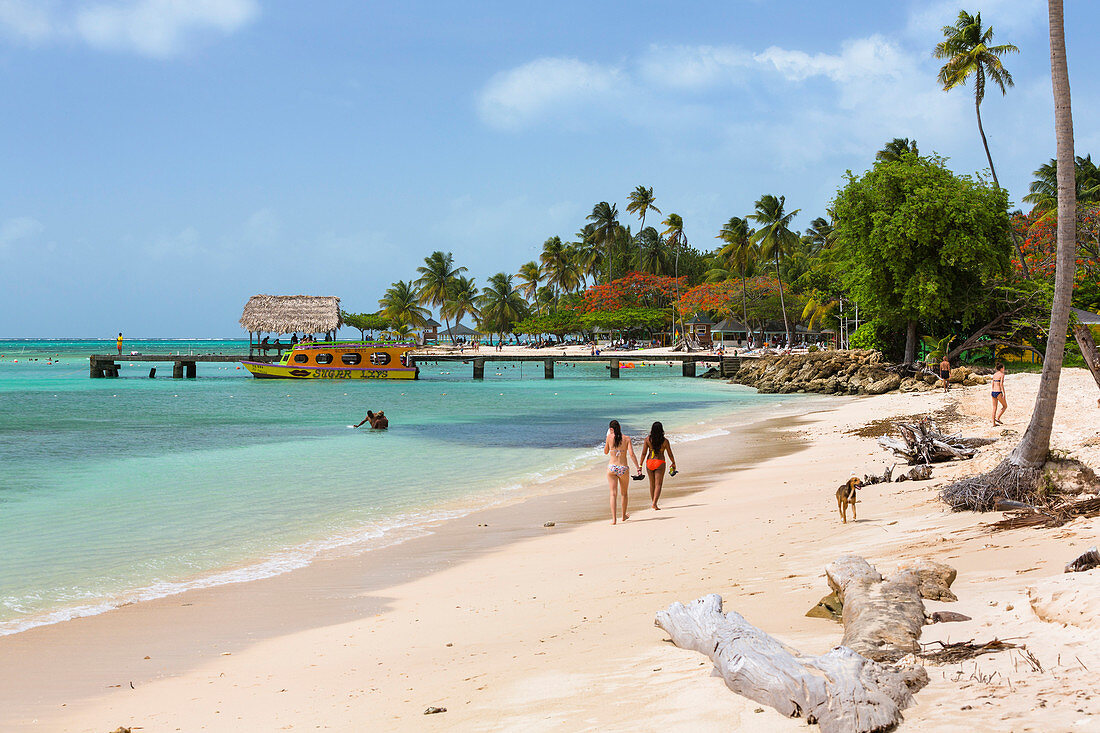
(618, 447)
(998, 393)
(655, 446)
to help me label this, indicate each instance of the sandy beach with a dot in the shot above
(519, 626)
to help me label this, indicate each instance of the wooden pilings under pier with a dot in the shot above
(183, 365)
(687, 361)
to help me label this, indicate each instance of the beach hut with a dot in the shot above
(700, 328)
(431, 330)
(730, 330)
(283, 314)
(458, 331)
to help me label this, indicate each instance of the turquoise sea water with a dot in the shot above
(113, 490)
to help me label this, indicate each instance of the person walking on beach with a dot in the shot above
(998, 393)
(118, 343)
(945, 373)
(618, 447)
(656, 445)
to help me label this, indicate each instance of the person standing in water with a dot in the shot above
(618, 447)
(118, 343)
(378, 421)
(655, 447)
(998, 393)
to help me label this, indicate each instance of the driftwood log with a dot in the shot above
(922, 442)
(922, 472)
(885, 478)
(883, 617)
(1088, 350)
(841, 691)
(1085, 561)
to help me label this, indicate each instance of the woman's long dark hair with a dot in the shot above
(615, 428)
(657, 436)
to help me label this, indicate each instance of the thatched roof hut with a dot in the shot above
(292, 313)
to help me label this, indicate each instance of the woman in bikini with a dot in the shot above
(998, 392)
(656, 445)
(618, 447)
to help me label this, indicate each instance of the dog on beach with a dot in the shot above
(846, 496)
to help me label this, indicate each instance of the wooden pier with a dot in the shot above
(183, 365)
(614, 361)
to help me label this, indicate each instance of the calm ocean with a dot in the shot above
(114, 490)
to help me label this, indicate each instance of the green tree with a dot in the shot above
(968, 50)
(653, 255)
(530, 276)
(775, 239)
(436, 276)
(913, 241)
(642, 201)
(461, 300)
(896, 148)
(559, 265)
(606, 229)
(501, 305)
(401, 306)
(1043, 191)
(677, 240)
(364, 322)
(740, 255)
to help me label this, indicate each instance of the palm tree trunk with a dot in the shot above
(1035, 445)
(988, 157)
(782, 304)
(744, 302)
(911, 341)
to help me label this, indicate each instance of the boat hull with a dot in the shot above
(261, 370)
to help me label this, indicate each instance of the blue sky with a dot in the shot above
(162, 160)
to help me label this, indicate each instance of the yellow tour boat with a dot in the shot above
(339, 360)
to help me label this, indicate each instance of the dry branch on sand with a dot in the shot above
(923, 443)
(1085, 561)
(1042, 496)
(840, 690)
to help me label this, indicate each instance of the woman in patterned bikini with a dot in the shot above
(998, 393)
(618, 447)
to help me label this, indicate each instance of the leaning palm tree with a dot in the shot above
(896, 148)
(554, 259)
(461, 300)
(401, 306)
(641, 202)
(967, 48)
(605, 217)
(530, 277)
(676, 239)
(775, 239)
(740, 253)
(436, 276)
(500, 304)
(1020, 474)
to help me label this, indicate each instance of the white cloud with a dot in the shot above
(18, 229)
(156, 28)
(694, 67)
(538, 89)
(863, 58)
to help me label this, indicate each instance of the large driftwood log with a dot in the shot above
(923, 442)
(883, 617)
(840, 690)
(1088, 350)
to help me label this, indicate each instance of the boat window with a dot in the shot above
(379, 358)
(351, 358)
(324, 358)
(301, 358)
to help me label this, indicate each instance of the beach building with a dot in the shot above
(700, 328)
(459, 331)
(730, 332)
(431, 331)
(280, 315)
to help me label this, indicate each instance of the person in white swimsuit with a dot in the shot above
(618, 447)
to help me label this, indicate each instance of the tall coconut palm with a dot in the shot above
(436, 276)
(652, 252)
(969, 52)
(401, 306)
(896, 148)
(606, 229)
(500, 304)
(588, 253)
(775, 239)
(461, 300)
(530, 277)
(555, 262)
(674, 235)
(1043, 191)
(641, 202)
(740, 253)
(818, 236)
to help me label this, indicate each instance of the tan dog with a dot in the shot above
(846, 496)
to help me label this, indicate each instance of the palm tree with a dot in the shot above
(401, 306)
(676, 239)
(652, 252)
(818, 237)
(530, 276)
(461, 300)
(555, 262)
(588, 253)
(501, 304)
(1043, 191)
(740, 253)
(641, 202)
(818, 309)
(966, 46)
(775, 239)
(896, 148)
(605, 217)
(436, 276)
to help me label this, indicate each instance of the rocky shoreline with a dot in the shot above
(857, 372)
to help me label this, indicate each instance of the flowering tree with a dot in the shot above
(761, 296)
(637, 289)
